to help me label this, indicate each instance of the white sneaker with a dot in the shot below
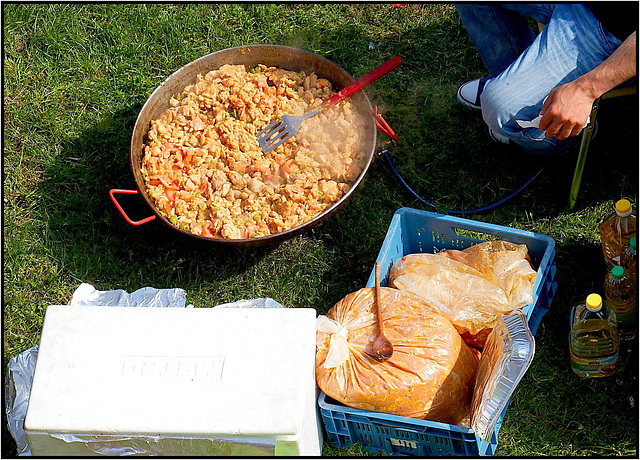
(469, 93)
(498, 137)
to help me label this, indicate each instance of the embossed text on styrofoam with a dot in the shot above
(200, 369)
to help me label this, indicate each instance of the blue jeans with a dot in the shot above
(524, 67)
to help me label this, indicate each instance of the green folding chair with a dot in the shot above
(587, 133)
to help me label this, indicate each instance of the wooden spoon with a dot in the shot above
(382, 348)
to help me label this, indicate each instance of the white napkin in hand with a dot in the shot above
(535, 123)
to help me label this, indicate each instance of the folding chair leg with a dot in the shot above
(582, 155)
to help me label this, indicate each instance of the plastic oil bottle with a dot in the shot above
(593, 341)
(629, 261)
(620, 296)
(616, 231)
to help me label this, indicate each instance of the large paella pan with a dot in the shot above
(277, 63)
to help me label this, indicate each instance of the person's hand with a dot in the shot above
(567, 108)
(565, 112)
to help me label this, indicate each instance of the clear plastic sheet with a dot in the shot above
(16, 395)
(254, 303)
(87, 295)
(112, 446)
(21, 367)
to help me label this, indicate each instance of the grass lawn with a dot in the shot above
(76, 75)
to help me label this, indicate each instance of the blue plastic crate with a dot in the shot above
(398, 435)
(413, 231)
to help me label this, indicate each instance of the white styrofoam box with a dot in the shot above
(175, 381)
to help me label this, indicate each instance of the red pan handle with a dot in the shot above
(112, 194)
(364, 80)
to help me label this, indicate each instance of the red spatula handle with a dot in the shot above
(364, 80)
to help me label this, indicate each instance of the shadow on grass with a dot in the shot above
(611, 171)
(94, 242)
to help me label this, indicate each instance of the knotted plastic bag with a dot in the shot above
(472, 287)
(431, 374)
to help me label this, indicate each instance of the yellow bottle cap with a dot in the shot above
(594, 301)
(623, 206)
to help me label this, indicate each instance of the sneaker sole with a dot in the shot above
(465, 102)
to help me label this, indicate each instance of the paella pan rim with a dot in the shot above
(286, 57)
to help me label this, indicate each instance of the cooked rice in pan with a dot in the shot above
(205, 171)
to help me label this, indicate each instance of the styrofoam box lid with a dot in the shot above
(197, 371)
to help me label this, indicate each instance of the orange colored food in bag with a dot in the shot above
(431, 374)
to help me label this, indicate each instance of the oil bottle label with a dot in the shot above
(594, 367)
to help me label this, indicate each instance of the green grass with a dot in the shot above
(76, 76)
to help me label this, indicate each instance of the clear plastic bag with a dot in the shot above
(17, 390)
(430, 375)
(505, 264)
(472, 287)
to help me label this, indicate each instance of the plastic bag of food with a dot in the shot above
(431, 374)
(505, 264)
(470, 287)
